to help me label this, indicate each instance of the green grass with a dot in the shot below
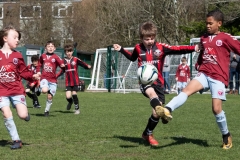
(110, 127)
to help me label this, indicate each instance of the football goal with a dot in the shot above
(113, 72)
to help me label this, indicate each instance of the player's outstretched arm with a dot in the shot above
(132, 56)
(117, 47)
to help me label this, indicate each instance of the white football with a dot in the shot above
(147, 73)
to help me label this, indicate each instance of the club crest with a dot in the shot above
(220, 92)
(219, 42)
(15, 61)
(157, 53)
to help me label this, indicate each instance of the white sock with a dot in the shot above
(222, 122)
(177, 101)
(12, 129)
(48, 105)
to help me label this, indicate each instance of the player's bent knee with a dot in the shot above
(44, 90)
(23, 115)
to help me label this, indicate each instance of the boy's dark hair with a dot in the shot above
(183, 58)
(49, 42)
(4, 32)
(68, 47)
(148, 29)
(216, 14)
(34, 58)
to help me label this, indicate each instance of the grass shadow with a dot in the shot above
(184, 140)
(178, 141)
(137, 140)
(60, 111)
(4, 143)
(42, 115)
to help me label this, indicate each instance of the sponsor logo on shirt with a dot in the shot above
(151, 62)
(6, 75)
(48, 67)
(210, 56)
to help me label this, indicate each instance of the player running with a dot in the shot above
(12, 70)
(49, 62)
(33, 86)
(71, 77)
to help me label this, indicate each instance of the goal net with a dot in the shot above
(113, 71)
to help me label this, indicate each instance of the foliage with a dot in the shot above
(110, 127)
(99, 23)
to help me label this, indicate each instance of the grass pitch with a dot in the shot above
(110, 127)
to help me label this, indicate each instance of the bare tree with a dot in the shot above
(99, 23)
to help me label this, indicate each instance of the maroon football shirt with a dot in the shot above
(214, 60)
(12, 70)
(49, 63)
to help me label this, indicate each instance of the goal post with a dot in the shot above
(113, 72)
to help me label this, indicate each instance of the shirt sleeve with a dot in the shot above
(39, 66)
(59, 73)
(167, 49)
(234, 44)
(59, 61)
(188, 72)
(23, 70)
(82, 64)
(132, 56)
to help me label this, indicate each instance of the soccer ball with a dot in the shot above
(147, 74)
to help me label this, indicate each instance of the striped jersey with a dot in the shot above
(71, 70)
(32, 68)
(155, 55)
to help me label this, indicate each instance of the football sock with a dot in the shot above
(152, 123)
(225, 137)
(75, 101)
(30, 95)
(76, 107)
(155, 102)
(70, 100)
(48, 105)
(222, 122)
(11, 127)
(35, 99)
(177, 101)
